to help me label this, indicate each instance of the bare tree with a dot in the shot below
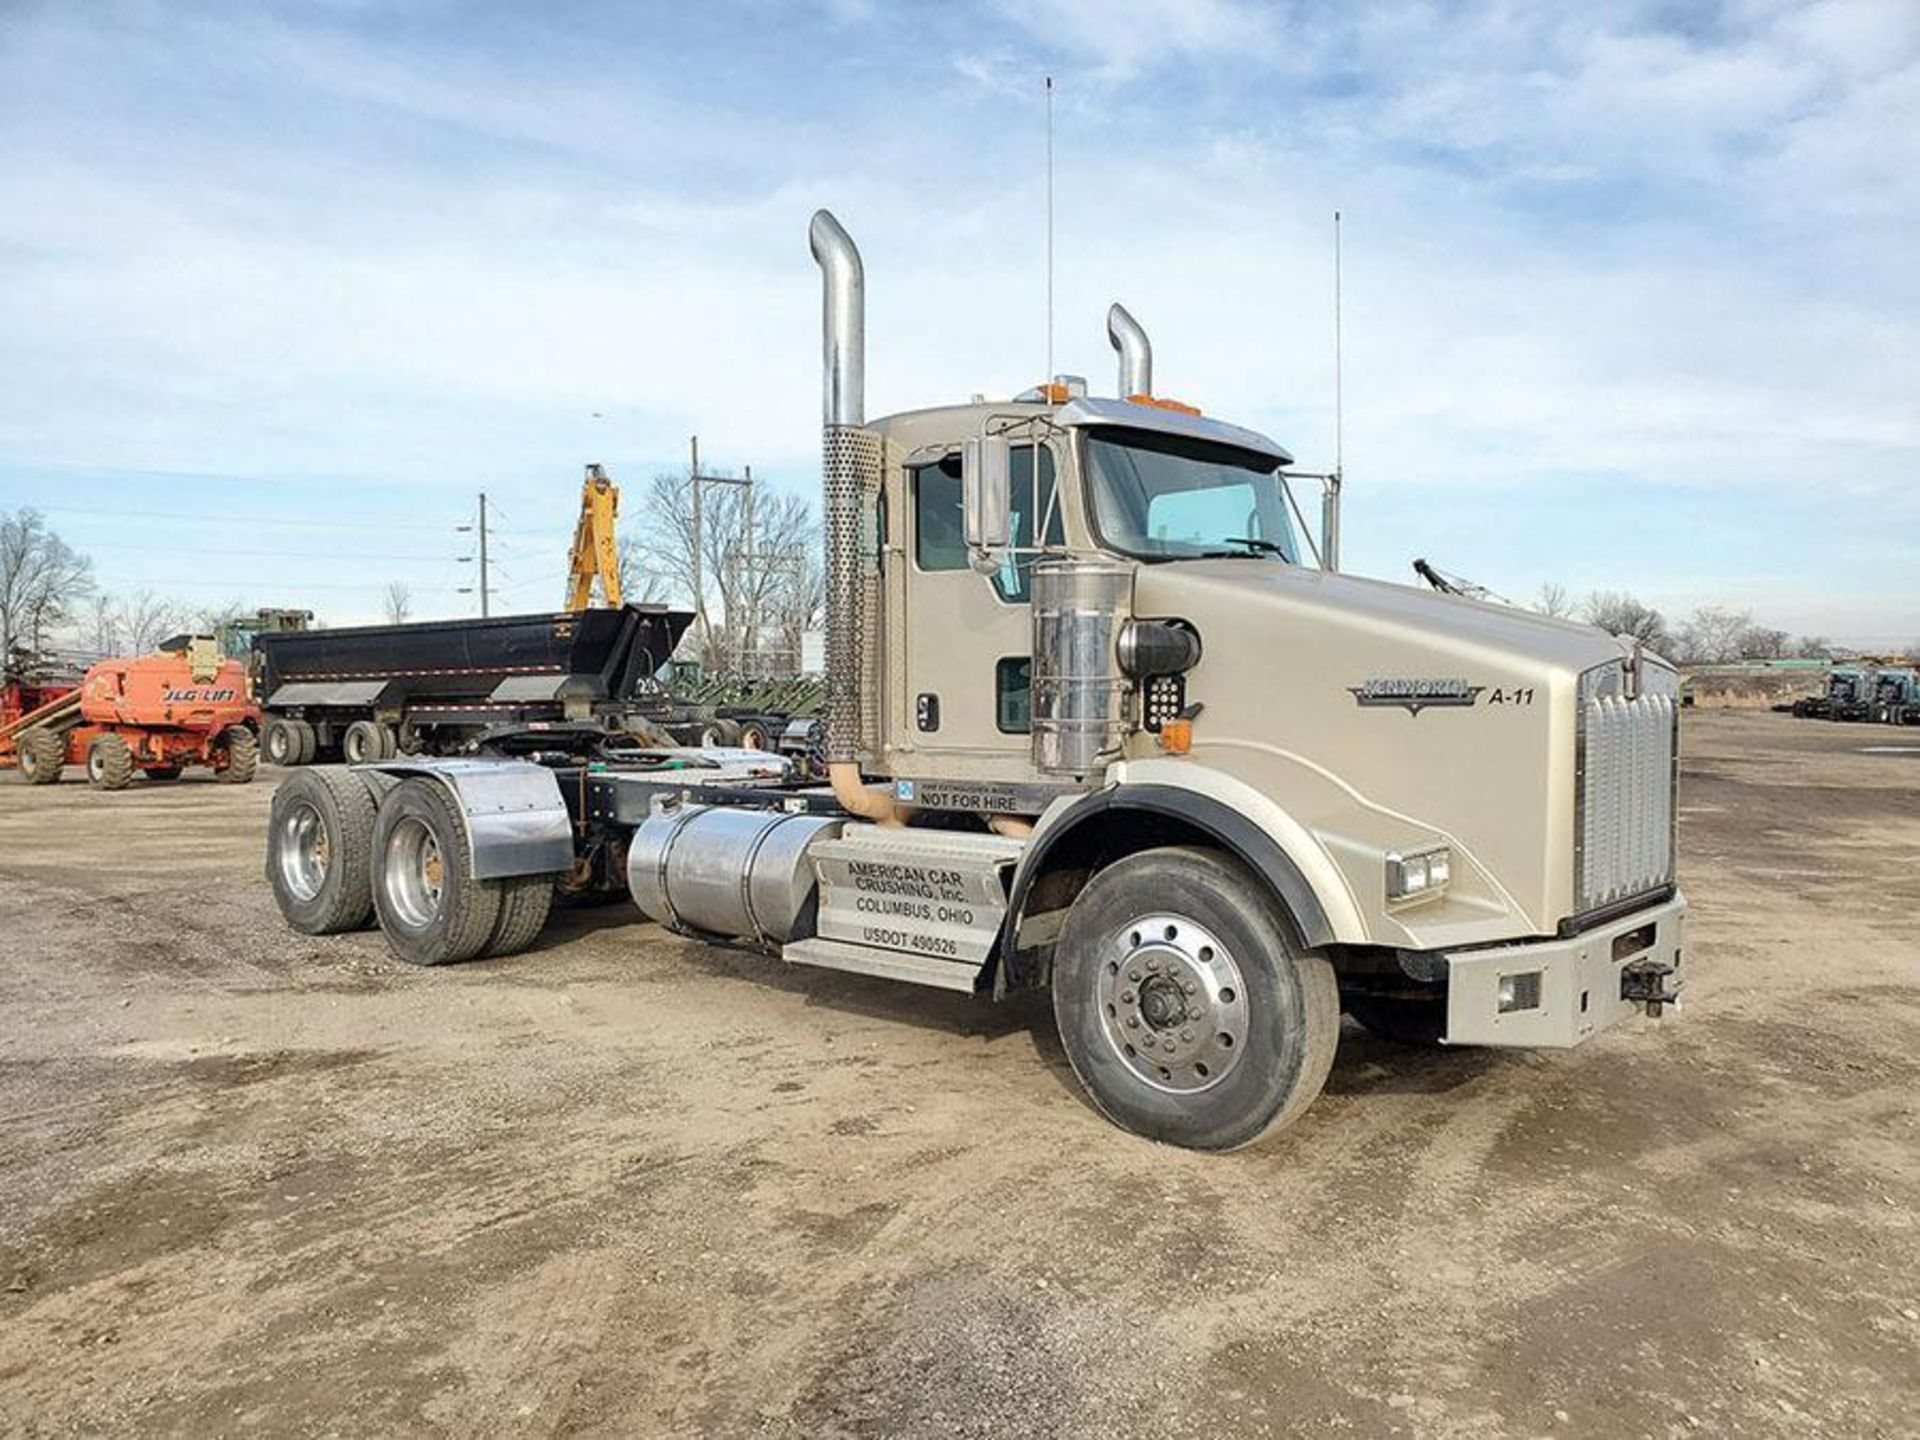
(759, 570)
(1711, 635)
(1758, 642)
(1619, 613)
(146, 619)
(398, 602)
(103, 624)
(1811, 647)
(1555, 602)
(638, 582)
(43, 580)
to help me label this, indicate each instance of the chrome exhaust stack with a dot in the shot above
(850, 473)
(1135, 350)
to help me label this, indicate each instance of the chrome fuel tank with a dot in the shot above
(728, 870)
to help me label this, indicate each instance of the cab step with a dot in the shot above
(888, 964)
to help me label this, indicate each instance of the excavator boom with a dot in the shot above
(596, 553)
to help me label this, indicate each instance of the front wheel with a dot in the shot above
(110, 763)
(1185, 1009)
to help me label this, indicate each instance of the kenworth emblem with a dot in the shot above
(1413, 696)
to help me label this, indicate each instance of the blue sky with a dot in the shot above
(1631, 298)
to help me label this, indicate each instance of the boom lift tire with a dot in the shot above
(109, 763)
(1400, 1019)
(1186, 1009)
(319, 851)
(524, 903)
(243, 756)
(43, 754)
(431, 909)
(367, 741)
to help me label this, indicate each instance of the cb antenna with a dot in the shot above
(1047, 379)
(1339, 416)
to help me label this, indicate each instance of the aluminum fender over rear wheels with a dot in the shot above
(513, 815)
(1186, 1010)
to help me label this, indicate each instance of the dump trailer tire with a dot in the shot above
(367, 742)
(43, 755)
(109, 763)
(1403, 1021)
(162, 773)
(524, 903)
(243, 756)
(319, 851)
(431, 909)
(282, 743)
(1188, 1011)
(309, 741)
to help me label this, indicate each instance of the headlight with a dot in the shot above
(1422, 873)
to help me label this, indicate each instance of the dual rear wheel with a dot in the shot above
(346, 849)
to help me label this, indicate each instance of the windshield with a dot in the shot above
(1168, 497)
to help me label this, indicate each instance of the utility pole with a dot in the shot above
(483, 587)
(483, 554)
(696, 480)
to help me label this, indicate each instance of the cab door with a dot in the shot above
(970, 636)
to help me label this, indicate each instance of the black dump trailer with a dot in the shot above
(461, 687)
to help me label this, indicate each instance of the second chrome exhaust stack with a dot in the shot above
(1136, 352)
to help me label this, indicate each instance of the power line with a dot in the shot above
(201, 518)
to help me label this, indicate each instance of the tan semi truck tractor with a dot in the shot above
(1097, 724)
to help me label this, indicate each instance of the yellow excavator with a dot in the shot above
(595, 554)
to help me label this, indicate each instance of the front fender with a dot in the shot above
(1231, 814)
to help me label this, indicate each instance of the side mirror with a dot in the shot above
(986, 493)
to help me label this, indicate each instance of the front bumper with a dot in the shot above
(1576, 982)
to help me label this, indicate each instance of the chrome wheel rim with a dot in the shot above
(305, 851)
(1173, 1003)
(414, 875)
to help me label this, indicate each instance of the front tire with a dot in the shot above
(109, 763)
(1186, 1010)
(431, 909)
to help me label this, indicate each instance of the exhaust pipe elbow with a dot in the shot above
(843, 321)
(1135, 350)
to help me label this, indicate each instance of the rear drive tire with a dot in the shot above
(431, 909)
(319, 849)
(524, 903)
(109, 763)
(1402, 1020)
(43, 755)
(1186, 1009)
(243, 756)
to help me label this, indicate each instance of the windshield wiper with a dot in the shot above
(1253, 542)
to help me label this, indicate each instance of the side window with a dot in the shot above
(939, 520)
(939, 528)
(1013, 695)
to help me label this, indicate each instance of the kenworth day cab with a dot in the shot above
(1094, 724)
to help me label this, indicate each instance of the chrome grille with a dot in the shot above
(1624, 828)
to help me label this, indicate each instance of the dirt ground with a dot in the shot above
(252, 1182)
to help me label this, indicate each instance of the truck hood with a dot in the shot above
(1448, 627)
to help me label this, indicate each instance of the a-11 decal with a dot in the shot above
(1413, 696)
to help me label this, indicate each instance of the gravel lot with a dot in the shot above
(251, 1181)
